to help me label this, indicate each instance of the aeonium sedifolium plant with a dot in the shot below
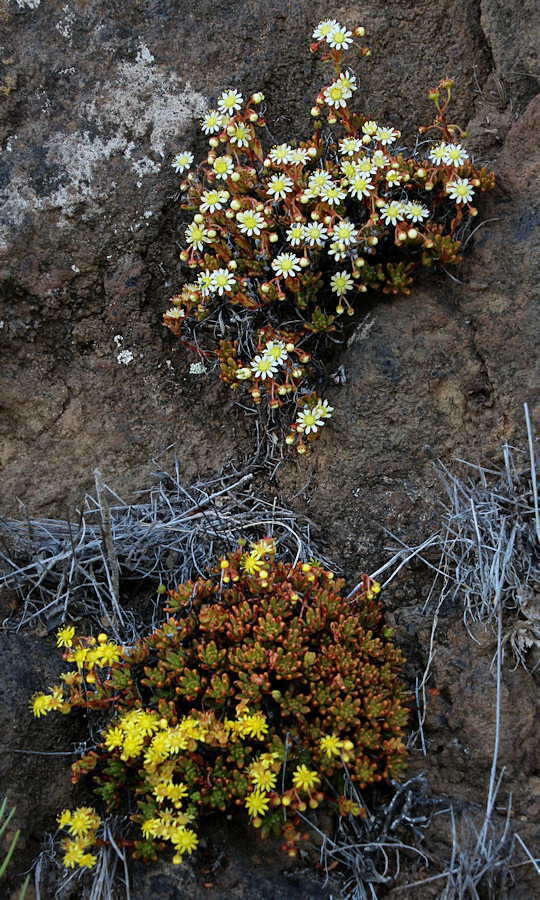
(261, 685)
(286, 242)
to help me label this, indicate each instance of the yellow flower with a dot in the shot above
(331, 745)
(150, 828)
(114, 738)
(256, 804)
(305, 779)
(184, 840)
(79, 656)
(255, 725)
(41, 704)
(63, 818)
(64, 636)
(133, 744)
(82, 821)
(250, 563)
(264, 779)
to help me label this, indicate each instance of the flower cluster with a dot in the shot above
(82, 825)
(284, 243)
(259, 686)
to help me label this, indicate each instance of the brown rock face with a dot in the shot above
(96, 98)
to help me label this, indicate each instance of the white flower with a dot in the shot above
(345, 232)
(243, 374)
(315, 234)
(223, 166)
(279, 186)
(360, 186)
(338, 250)
(250, 222)
(197, 235)
(263, 367)
(213, 200)
(379, 159)
(230, 101)
(332, 193)
(460, 190)
(350, 146)
(341, 283)
(437, 154)
(336, 95)
(416, 212)
(298, 156)
(316, 183)
(393, 177)
(182, 161)
(242, 135)
(392, 212)
(324, 28)
(369, 127)
(296, 234)
(212, 122)
(455, 155)
(223, 281)
(205, 283)
(386, 136)
(339, 38)
(348, 80)
(276, 350)
(323, 409)
(365, 166)
(309, 420)
(286, 265)
(280, 153)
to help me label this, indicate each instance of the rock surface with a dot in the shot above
(96, 98)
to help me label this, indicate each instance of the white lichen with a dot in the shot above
(144, 56)
(197, 368)
(125, 357)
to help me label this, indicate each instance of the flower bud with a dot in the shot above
(212, 232)
(312, 152)
(332, 119)
(257, 98)
(236, 205)
(412, 234)
(421, 173)
(235, 176)
(301, 449)
(366, 139)
(198, 219)
(265, 288)
(303, 198)
(290, 439)
(230, 130)
(253, 117)
(402, 236)
(304, 262)
(229, 213)
(315, 111)
(267, 162)
(359, 31)
(232, 264)
(339, 309)
(259, 207)
(315, 216)
(473, 211)
(273, 237)
(214, 142)
(328, 220)
(373, 241)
